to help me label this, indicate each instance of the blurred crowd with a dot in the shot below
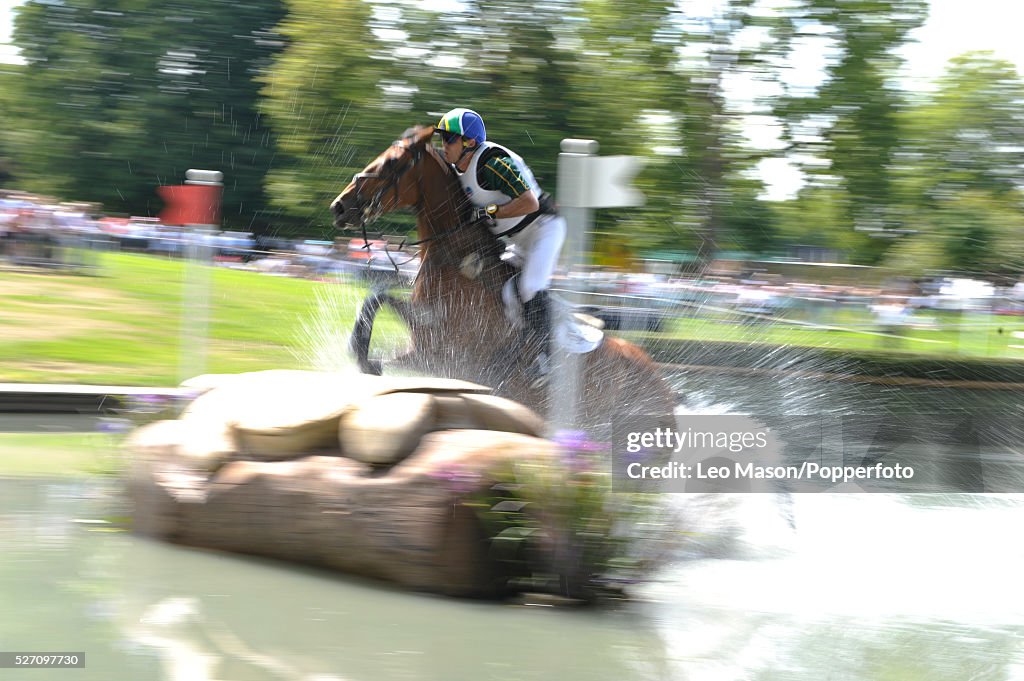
(891, 305)
(34, 231)
(41, 232)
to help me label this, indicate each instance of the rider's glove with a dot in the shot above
(485, 213)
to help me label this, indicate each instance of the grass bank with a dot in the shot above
(135, 322)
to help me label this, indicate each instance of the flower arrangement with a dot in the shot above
(560, 528)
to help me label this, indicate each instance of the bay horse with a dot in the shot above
(456, 316)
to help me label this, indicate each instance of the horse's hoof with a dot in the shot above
(374, 367)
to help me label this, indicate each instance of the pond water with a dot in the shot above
(865, 587)
(811, 586)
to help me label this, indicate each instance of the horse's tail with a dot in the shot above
(359, 344)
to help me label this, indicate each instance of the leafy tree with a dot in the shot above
(654, 83)
(386, 67)
(119, 98)
(973, 232)
(967, 135)
(9, 81)
(960, 168)
(325, 97)
(855, 113)
(515, 68)
(204, 110)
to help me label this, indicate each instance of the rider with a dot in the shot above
(502, 188)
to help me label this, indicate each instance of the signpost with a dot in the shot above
(585, 182)
(196, 207)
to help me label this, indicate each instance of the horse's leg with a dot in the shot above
(411, 358)
(359, 344)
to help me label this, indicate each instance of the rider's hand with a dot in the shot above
(485, 213)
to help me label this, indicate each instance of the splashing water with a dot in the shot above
(325, 333)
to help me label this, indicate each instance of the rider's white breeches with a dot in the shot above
(539, 245)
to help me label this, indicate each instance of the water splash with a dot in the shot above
(880, 556)
(325, 333)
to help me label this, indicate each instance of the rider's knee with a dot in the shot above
(530, 287)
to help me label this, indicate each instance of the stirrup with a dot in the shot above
(539, 370)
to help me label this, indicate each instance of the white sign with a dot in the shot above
(207, 177)
(611, 180)
(586, 181)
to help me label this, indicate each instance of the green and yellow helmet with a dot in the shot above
(464, 122)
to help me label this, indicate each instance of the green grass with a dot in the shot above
(133, 323)
(950, 335)
(59, 455)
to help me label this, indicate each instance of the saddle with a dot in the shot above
(572, 331)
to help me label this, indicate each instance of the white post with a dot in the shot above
(566, 387)
(585, 182)
(196, 298)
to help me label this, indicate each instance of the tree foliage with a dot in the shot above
(857, 108)
(127, 96)
(289, 98)
(960, 169)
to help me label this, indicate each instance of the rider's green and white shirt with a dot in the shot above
(497, 175)
(501, 173)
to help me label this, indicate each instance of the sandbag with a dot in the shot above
(387, 428)
(282, 413)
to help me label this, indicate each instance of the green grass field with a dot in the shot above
(948, 334)
(133, 322)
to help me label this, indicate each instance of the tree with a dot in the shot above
(120, 98)
(9, 81)
(853, 118)
(326, 99)
(960, 168)
(686, 83)
(384, 68)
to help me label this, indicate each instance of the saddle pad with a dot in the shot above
(576, 338)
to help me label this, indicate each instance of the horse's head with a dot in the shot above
(386, 184)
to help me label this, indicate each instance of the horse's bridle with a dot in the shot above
(371, 209)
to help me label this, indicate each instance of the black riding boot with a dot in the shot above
(538, 334)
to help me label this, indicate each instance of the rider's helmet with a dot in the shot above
(464, 122)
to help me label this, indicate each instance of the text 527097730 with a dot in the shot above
(17, 660)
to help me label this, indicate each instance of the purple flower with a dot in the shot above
(578, 440)
(571, 439)
(108, 425)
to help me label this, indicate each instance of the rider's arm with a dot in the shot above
(501, 174)
(524, 204)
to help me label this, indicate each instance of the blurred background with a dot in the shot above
(805, 129)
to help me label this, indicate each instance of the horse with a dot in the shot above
(456, 316)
